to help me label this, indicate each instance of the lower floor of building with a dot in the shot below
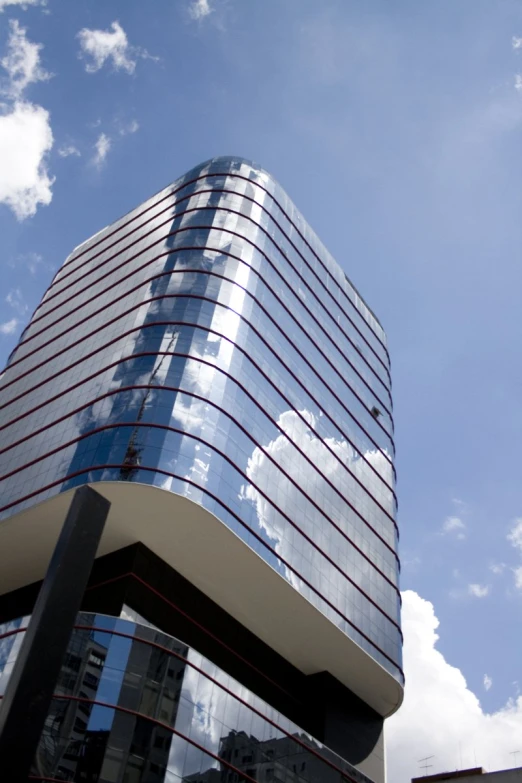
(159, 684)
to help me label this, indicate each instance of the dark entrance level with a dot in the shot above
(137, 578)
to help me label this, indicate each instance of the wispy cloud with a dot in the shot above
(454, 526)
(34, 262)
(516, 43)
(68, 150)
(9, 327)
(23, 4)
(132, 127)
(16, 300)
(515, 539)
(488, 682)
(410, 561)
(515, 534)
(198, 9)
(100, 46)
(102, 147)
(22, 62)
(497, 568)
(478, 591)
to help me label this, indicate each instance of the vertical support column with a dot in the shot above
(30, 689)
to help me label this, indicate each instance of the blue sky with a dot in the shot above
(397, 129)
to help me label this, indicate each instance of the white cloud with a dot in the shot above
(518, 577)
(25, 141)
(100, 46)
(25, 130)
(478, 591)
(518, 82)
(488, 682)
(515, 534)
(516, 43)
(9, 327)
(411, 561)
(16, 300)
(264, 472)
(102, 147)
(33, 261)
(515, 539)
(66, 150)
(132, 127)
(199, 9)
(459, 503)
(497, 568)
(454, 525)
(439, 712)
(22, 62)
(24, 4)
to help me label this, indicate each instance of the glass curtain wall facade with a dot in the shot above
(208, 345)
(134, 704)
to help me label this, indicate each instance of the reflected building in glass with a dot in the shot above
(207, 366)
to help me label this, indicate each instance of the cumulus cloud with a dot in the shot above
(440, 712)
(198, 9)
(516, 43)
(478, 591)
(9, 327)
(455, 526)
(67, 150)
(518, 577)
(102, 147)
(25, 131)
(488, 682)
(100, 46)
(327, 574)
(24, 4)
(22, 62)
(25, 141)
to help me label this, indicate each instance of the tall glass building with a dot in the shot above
(207, 366)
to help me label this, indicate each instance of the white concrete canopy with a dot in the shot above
(207, 553)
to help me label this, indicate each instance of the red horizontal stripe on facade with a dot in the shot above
(166, 353)
(226, 690)
(154, 277)
(199, 626)
(196, 270)
(160, 471)
(294, 226)
(64, 370)
(135, 425)
(203, 399)
(174, 233)
(156, 722)
(254, 329)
